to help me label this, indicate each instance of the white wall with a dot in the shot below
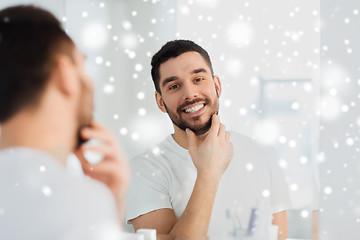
(339, 137)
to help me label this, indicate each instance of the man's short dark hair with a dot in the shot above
(30, 40)
(173, 49)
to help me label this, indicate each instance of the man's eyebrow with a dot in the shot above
(169, 79)
(199, 70)
(173, 78)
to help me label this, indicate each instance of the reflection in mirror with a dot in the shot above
(266, 57)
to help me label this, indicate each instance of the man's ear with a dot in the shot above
(160, 102)
(64, 75)
(217, 85)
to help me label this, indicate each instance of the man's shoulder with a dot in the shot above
(167, 158)
(44, 182)
(49, 175)
(152, 156)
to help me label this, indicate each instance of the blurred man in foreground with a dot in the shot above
(46, 105)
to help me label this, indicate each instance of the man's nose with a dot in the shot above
(190, 92)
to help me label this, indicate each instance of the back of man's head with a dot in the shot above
(30, 40)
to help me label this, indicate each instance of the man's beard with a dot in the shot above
(183, 124)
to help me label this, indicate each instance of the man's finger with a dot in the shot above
(231, 149)
(191, 137)
(105, 136)
(215, 124)
(85, 165)
(222, 131)
(97, 126)
(105, 150)
(227, 136)
(101, 176)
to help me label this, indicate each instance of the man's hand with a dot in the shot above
(213, 156)
(113, 170)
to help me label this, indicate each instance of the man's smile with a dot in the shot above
(195, 108)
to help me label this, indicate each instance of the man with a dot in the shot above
(45, 114)
(183, 187)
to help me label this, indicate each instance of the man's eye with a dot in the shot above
(174, 86)
(198, 79)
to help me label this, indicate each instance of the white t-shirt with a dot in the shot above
(40, 200)
(164, 177)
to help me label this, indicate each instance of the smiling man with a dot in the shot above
(197, 173)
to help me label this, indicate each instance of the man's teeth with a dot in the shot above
(194, 109)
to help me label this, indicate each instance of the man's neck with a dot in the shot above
(39, 131)
(180, 137)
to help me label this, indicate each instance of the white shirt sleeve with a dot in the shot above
(148, 189)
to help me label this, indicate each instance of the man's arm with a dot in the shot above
(113, 170)
(211, 159)
(280, 219)
(315, 225)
